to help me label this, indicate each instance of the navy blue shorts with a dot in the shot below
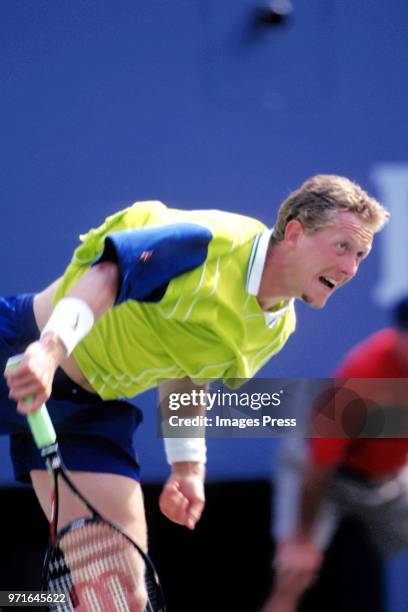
(94, 435)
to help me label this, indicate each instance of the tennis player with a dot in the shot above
(156, 293)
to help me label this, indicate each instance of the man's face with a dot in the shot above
(328, 258)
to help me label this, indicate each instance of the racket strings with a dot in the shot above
(59, 577)
(99, 571)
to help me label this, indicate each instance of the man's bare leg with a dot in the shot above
(118, 498)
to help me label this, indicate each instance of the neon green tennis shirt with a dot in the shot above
(186, 305)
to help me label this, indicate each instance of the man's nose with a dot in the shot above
(350, 265)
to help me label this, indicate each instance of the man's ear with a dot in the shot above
(294, 230)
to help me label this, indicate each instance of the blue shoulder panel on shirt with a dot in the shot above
(150, 257)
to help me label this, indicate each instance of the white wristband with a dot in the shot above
(71, 320)
(185, 449)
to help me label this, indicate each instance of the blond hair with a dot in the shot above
(316, 203)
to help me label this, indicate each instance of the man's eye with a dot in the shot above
(342, 245)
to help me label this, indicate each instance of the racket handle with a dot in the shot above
(39, 421)
(41, 427)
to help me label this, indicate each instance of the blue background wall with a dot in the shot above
(104, 102)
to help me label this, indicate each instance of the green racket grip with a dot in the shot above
(41, 427)
(39, 421)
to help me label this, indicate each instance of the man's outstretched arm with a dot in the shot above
(93, 294)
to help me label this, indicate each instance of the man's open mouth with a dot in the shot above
(327, 282)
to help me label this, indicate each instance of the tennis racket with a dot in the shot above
(92, 564)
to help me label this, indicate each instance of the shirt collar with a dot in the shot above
(256, 265)
(257, 261)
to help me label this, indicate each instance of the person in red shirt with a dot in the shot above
(327, 479)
